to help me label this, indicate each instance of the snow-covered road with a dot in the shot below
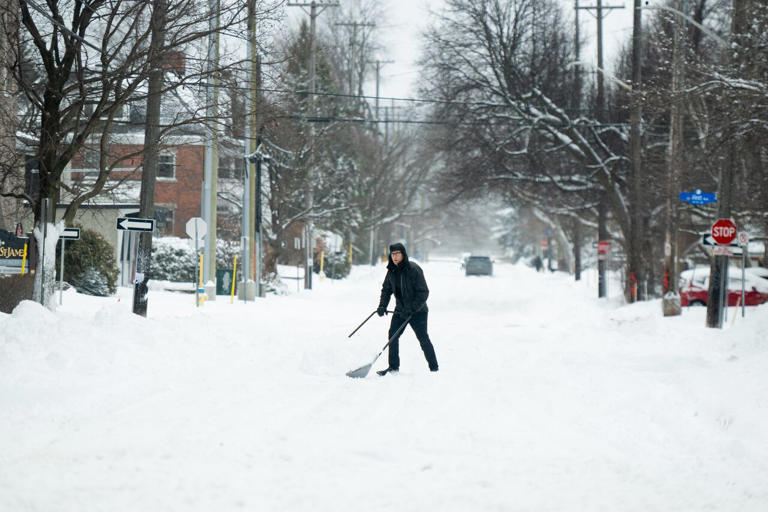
(547, 399)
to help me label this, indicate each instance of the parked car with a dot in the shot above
(694, 286)
(478, 266)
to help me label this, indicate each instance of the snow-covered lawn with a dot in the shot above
(547, 399)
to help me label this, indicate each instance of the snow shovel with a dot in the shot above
(362, 372)
(362, 324)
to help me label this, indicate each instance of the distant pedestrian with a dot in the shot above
(405, 280)
(537, 263)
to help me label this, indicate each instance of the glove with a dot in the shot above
(381, 310)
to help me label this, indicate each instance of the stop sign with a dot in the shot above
(724, 231)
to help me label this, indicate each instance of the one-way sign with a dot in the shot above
(132, 224)
(708, 239)
(70, 234)
(732, 249)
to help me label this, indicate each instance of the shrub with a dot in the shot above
(335, 266)
(174, 259)
(14, 289)
(87, 258)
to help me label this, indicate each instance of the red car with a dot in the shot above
(694, 286)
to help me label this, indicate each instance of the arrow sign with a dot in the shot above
(129, 224)
(732, 249)
(708, 239)
(70, 234)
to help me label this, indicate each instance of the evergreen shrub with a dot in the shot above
(89, 264)
(335, 266)
(174, 259)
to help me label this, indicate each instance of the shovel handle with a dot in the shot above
(369, 317)
(359, 326)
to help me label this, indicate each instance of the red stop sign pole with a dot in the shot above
(724, 231)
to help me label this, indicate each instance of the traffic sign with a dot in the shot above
(725, 250)
(708, 241)
(697, 197)
(603, 248)
(196, 228)
(724, 231)
(134, 224)
(70, 234)
(743, 238)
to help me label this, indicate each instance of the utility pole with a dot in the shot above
(576, 99)
(601, 11)
(352, 56)
(245, 238)
(210, 172)
(378, 80)
(675, 162)
(251, 285)
(636, 274)
(149, 164)
(309, 192)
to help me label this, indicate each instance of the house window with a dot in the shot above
(91, 158)
(164, 220)
(231, 167)
(166, 166)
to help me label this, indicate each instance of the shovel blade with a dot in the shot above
(361, 372)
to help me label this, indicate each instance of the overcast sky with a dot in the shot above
(403, 21)
(407, 18)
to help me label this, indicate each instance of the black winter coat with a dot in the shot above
(406, 281)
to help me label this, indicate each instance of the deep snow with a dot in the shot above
(547, 399)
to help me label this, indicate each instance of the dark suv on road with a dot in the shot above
(478, 266)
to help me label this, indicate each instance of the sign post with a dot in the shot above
(196, 229)
(743, 242)
(723, 232)
(603, 254)
(67, 234)
(140, 289)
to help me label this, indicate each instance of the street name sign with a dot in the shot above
(70, 234)
(697, 197)
(134, 224)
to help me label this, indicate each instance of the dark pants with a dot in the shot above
(419, 325)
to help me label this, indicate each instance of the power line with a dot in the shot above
(390, 98)
(330, 119)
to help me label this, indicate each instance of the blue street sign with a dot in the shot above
(696, 197)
